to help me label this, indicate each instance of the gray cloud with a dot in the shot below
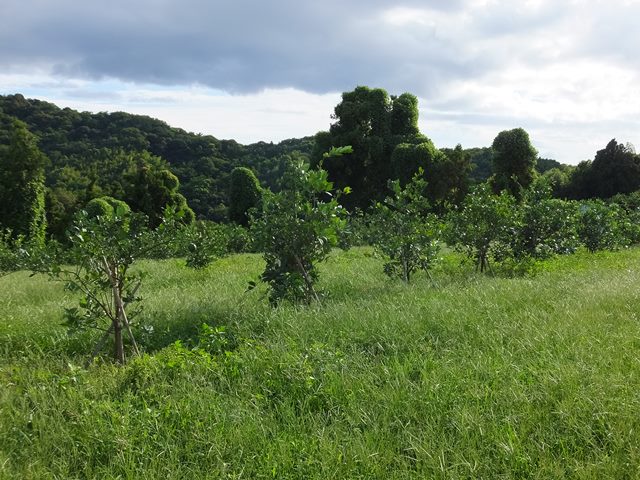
(247, 45)
(559, 68)
(239, 46)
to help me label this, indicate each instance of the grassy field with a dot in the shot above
(466, 377)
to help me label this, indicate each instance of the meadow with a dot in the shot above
(461, 375)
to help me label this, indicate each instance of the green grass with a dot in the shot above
(467, 377)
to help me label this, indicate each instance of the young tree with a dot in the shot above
(22, 191)
(481, 227)
(102, 250)
(600, 225)
(403, 230)
(296, 229)
(546, 226)
(9, 252)
(245, 193)
(514, 161)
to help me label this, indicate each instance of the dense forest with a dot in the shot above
(148, 164)
(91, 155)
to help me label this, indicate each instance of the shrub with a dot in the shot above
(483, 226)
(601, 225)
(403, 231)
(297, 229)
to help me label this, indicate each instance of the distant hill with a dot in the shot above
(78, 142)
(82, 146)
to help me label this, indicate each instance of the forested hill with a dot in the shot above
(93, 154)
(89, 150)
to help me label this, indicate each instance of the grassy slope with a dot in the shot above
(476, 377)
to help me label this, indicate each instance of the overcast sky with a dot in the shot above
(566, 71)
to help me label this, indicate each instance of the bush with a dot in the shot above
(483, 226)
(244, 194)
(404, 232)
(601, 226)
(546, 226)
(297, 229)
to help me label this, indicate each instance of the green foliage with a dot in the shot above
(205, 241)
(615, 169)
(479, 377)
(404, 115)
(151, 190)
(483, 226)
(86, 151)
(601, 225)
(245, 193)
(297, 229)
(97, 265)
(99, 207)
(10, 257)
(22, 191)
(514, 161)
(403, 230)
(373, 124)
(408, 158)
(546, 226)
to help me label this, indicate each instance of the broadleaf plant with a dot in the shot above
(296, 229)
(403, 230)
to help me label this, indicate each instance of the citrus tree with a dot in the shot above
(296, 229)
(483, 226)
(403, 231)
(97, 264)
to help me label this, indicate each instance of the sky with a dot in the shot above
(566, 71)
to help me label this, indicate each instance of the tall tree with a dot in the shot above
(22, 191)
(615, 169)
(373, 124)
(514, 161)
(245, 193)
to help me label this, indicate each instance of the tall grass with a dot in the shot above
(465, 376)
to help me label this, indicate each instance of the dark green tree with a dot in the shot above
(151, 190)
(514, 161)
(404, 115)
(245, 193)
(22, 190)
(446, 171)
(374, 124)
(615, 169)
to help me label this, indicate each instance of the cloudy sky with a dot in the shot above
(566, 71)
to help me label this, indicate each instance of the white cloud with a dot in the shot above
(568, 72)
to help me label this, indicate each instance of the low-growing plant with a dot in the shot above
(545, 226)
(403, 230)
(297, 228)
(9, 252)
(203, 242)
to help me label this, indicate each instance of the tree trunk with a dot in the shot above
(118, 344)
(405, 267)
(119, 320)
(307, 279)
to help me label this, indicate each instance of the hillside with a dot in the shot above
(77, 143)
(90, 152)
